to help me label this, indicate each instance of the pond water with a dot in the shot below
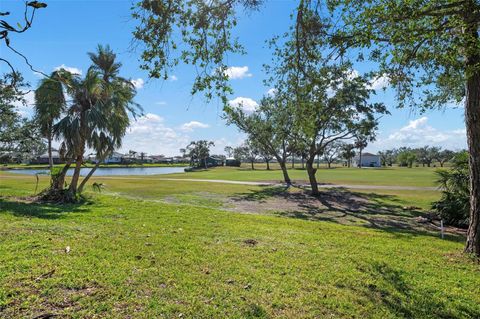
(106, 171)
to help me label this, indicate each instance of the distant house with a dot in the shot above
(215, 161)
(368, 160)
(232, 162)
(114, 158)
(43, 159)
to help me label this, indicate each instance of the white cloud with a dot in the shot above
(379, 83)
(69, 69)
(138, 83)
(419, 133)
(173, 78)
(161, 103)
(271, 92)
(150, 134)
(26, 110)
(190, 126)
(238, 72)
(247, 104)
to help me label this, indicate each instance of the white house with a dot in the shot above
(114, 158)
(368, 160)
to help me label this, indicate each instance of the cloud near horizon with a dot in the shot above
(70, 69)
(238, 72)
(190, 126)
(247, 104)
(138, 83)
(418, 133)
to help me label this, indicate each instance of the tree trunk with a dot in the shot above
(283, 166)
(360, 159)
(251, 162)
(268, 164)
(329, 165)
(311, 176)
(293, 161)
(58, 182)
(72, 190)
(50, 158)
(472, 119)
(318, 161)
(205, 162)
(303, 163)
(85, 180)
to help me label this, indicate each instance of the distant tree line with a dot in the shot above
(425, 156)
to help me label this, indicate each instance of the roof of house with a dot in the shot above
(369, 154)
(116, 154)
(55, 154)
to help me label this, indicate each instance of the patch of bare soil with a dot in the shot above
(337, 205)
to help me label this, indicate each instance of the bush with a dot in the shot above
(454, 206)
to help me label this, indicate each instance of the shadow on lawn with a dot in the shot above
(390, 288)
(21, 208)
(339, 205)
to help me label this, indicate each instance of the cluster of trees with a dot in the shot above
(198, 152)
(20, 138)
(310, 120)
(426, 46)
(426, 156)
(90, 112)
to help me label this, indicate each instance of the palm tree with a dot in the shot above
(50, 103)
(97, 117)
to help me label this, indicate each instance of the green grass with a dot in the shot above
(146, 259)
(131, 255)
(400, 176)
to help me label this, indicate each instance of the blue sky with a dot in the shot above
(63, 33)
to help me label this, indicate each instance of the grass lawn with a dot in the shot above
(131, 255)
(400, 176)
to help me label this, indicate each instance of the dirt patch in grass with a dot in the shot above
(338, 205)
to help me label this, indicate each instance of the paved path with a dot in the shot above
(223, 181)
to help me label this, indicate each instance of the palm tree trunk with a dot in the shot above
(50, 158)
(59, 181)
(72, 190)
(85, 180)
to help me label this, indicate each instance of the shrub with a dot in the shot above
(454, 206)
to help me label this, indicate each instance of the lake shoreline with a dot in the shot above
(108, 171)
(34, 166)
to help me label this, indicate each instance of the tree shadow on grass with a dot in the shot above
(23, 208)
(391, 289)
(342, 206)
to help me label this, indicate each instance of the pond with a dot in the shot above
(107, 171)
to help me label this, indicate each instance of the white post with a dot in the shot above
(441, 228)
